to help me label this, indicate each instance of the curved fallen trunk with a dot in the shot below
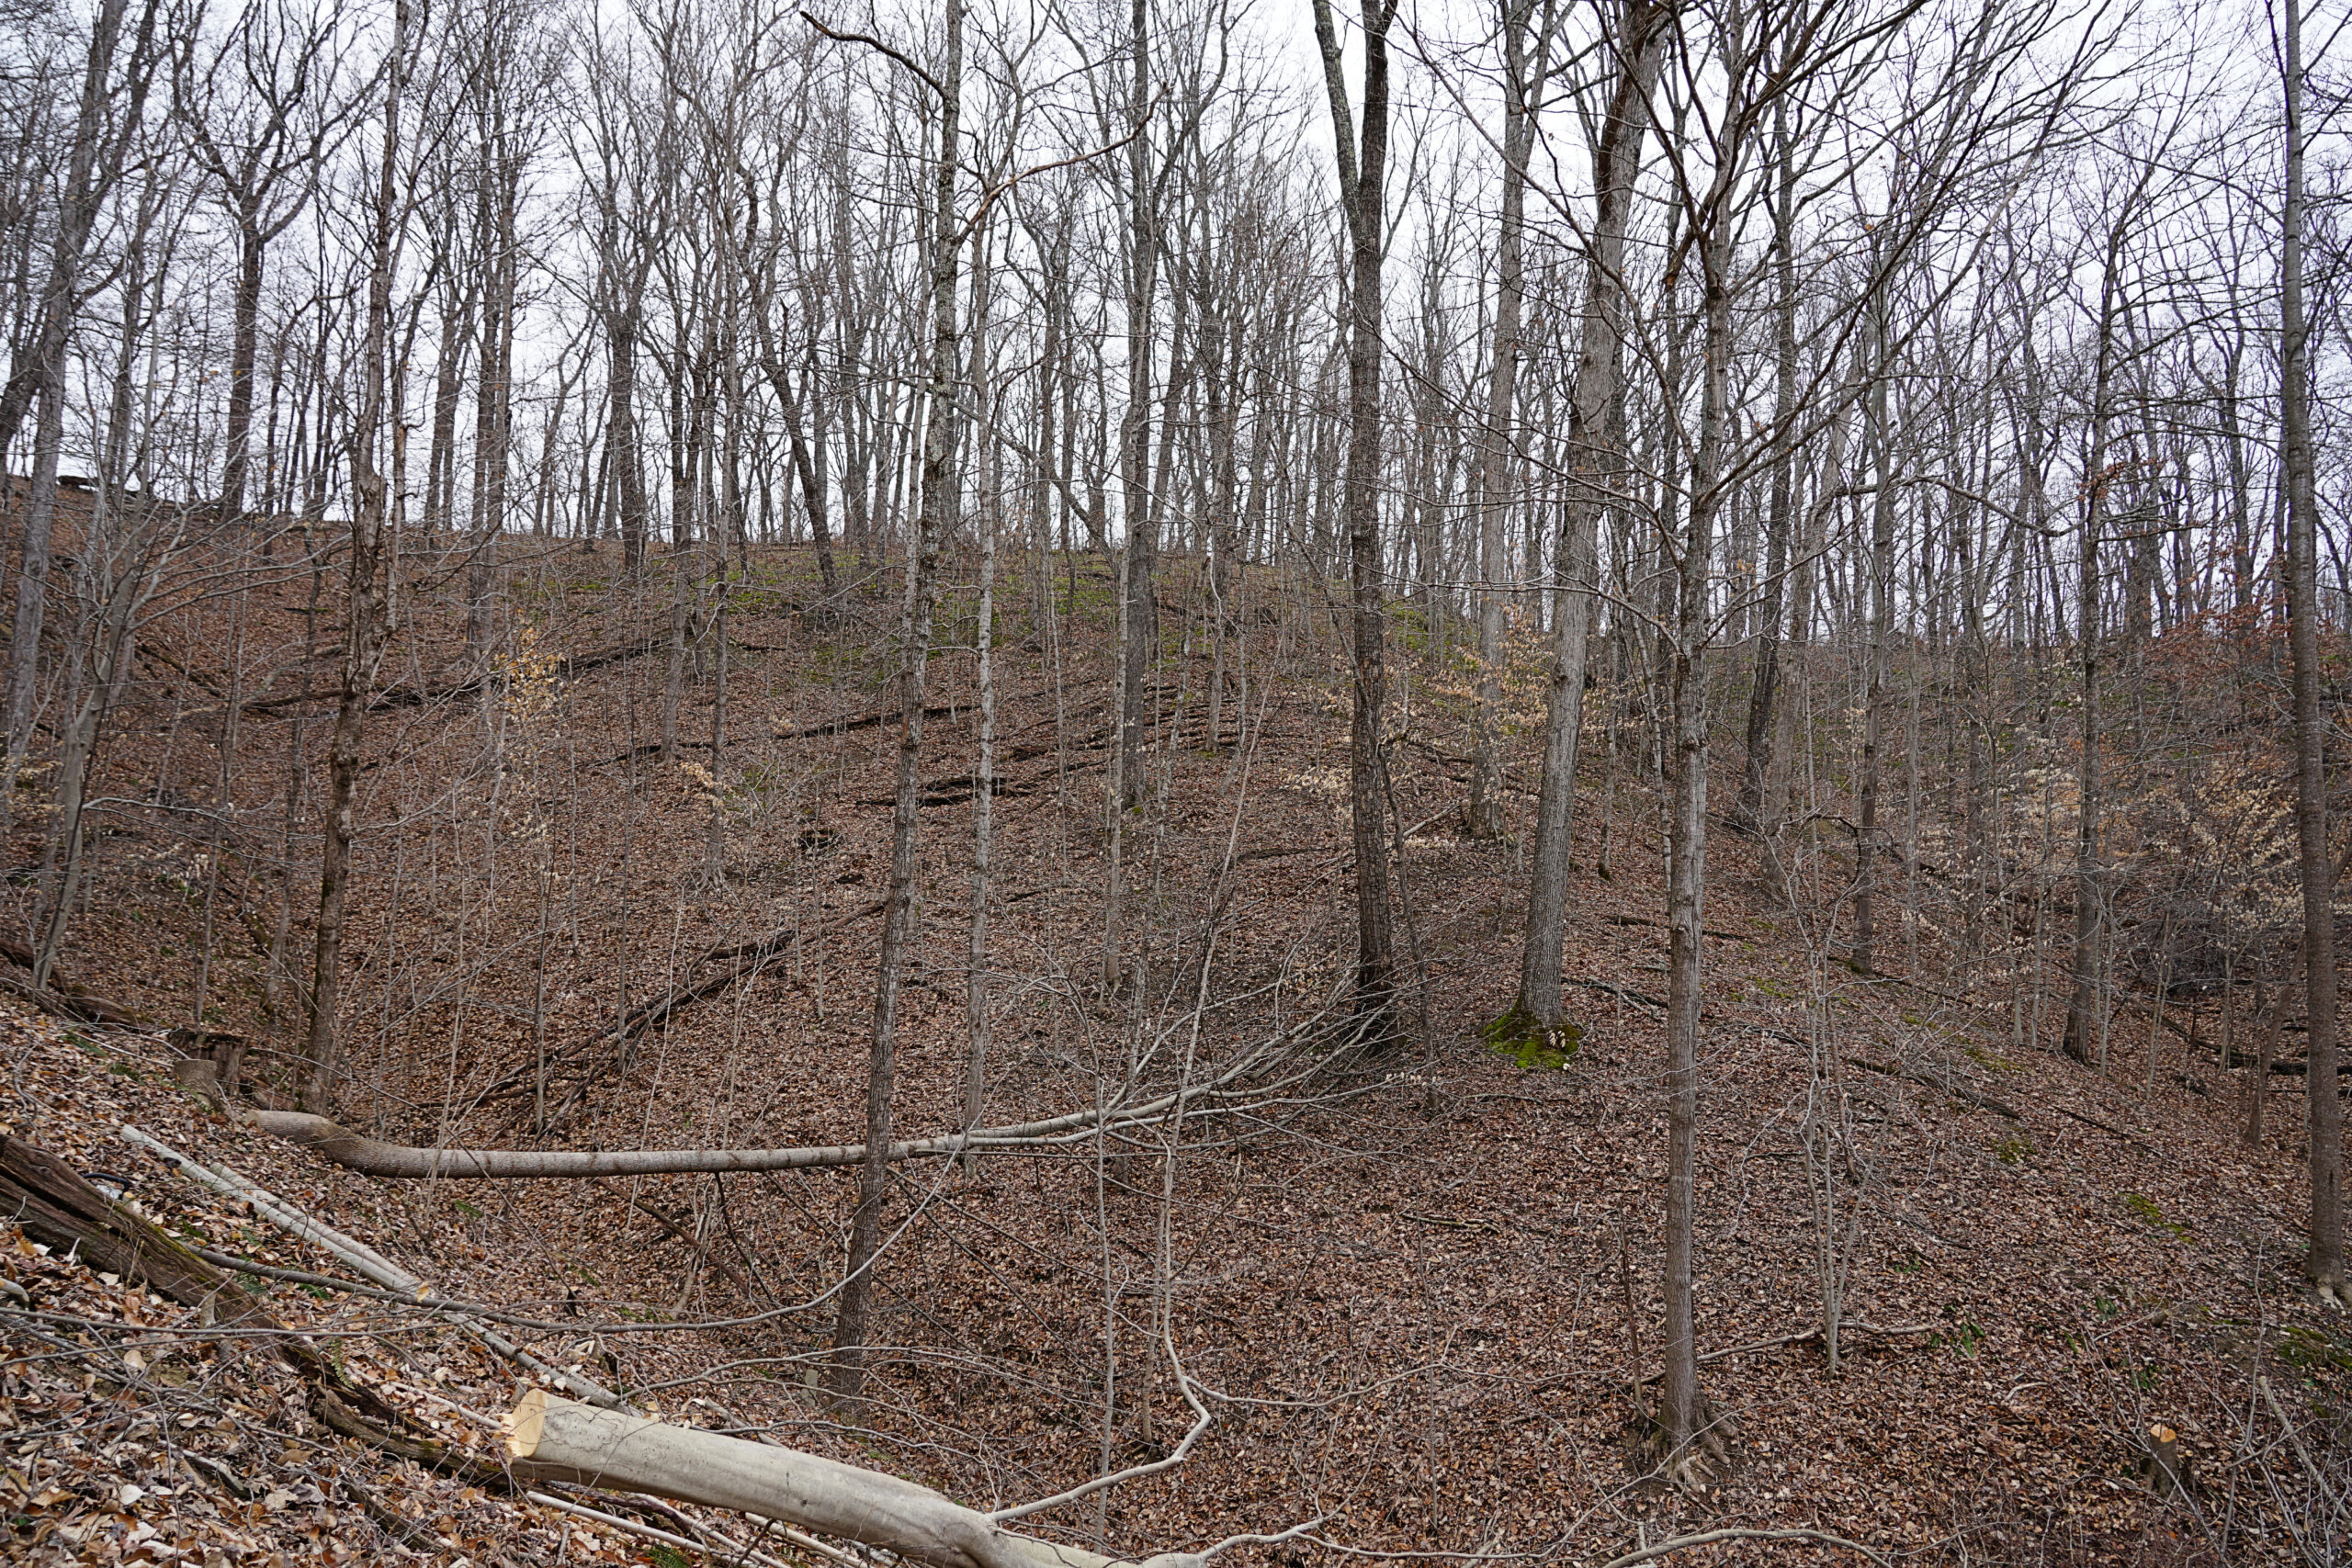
(373, 1157)
(556, 1438)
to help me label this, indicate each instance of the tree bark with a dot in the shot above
(237, 427)
(1682, 1406)
(90, 173)
(900, 912)
(1748, 811)
(321, 1065)
(1363, 168)
(1595, 470)
(1142, 547)
(557, 1439)
(2083, 1005)
(1879, 436)
(2326, 1259)
(1483, 813)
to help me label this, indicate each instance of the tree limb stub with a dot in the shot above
(558, 1438)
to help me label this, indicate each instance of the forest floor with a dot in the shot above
(1417, 1291)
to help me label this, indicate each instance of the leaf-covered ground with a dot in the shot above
(1417, 1290)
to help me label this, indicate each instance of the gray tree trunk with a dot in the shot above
(1594, 471)
(899, 910)
(1483, 812)
(91, 169)
(321, 1065)
(1362, 169)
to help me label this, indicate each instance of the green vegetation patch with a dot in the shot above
(1527, 1041)
(2312, 1349)
(1991, 1059)
(1965, 1340)
(2145, 1208)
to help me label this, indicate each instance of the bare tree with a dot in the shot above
(261, 114)
(106, 120)
(363, 646)
(941, 433)
(2326, 1259)
(1523, 85)
(1636, 52)
(1363, 165)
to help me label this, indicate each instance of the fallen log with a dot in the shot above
(63, 996)
(51, 1200)
(400, 695)
(744, 960)
(369, 1156)
(357, 1254)
(406, 1161)
(557, 1439)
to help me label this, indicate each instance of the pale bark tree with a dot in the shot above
(106, 120)
(1523, 85)
(1636, 52)
(263, 115)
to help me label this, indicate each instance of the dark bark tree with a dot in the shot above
(1139, 502)
(319, 1070)
(2324, 1261)
(1748, 811)
(936, 520)
(1362, 170)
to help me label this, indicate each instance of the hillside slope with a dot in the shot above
(1419, 1290)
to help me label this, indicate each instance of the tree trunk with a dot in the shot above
(1881, 439)
(1682, 1409)
(1362, 197)
(1482, 816)
(237, 427)
(804, 461)
(898, 918)
(1142, 549)
(557, 1439)
(1748, 811)
(321, 1063)
(2325, 1262)
(1595, 466)
(627, 459)
(976, 991)
(87, 182)
(495, 428)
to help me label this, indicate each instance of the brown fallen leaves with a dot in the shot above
(1403, 1289)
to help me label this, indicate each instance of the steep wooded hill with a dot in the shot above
(1413, 1290)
